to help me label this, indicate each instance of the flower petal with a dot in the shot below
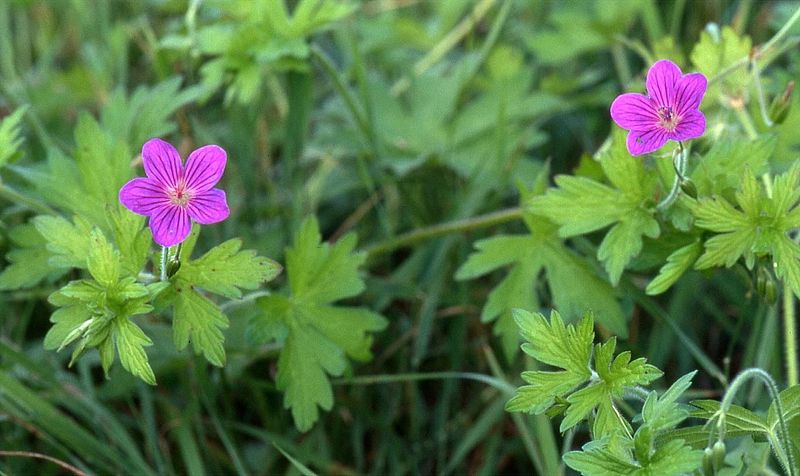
(162, 162)
(691, 125)
(170, 225)
(633, 111)
(204, 167)
(143, 196)
(644, 142)
(209, 207)
(661, 82)
(689, 92)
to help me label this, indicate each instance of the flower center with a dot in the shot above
(179, 195)
(668, 119)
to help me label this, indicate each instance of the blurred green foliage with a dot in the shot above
(420, 138)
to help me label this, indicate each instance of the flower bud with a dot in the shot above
(173, 267)
(718, 455)
(781, 105)
(708, 462)
(765, 285)
(688, 187)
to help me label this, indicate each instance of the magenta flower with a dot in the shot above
(172, 195)
(668, 112)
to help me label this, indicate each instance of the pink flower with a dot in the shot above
(668, 112)
(172, 195)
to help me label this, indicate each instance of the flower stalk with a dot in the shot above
(164, 255)
(781, 447)
(789, 337)
(679, 163)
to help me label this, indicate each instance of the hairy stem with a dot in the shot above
(458, 226)
(762, 102)
(679, 162)
(783, 450)
(746, 121)
(783, 31)
(164, 257)
(789, 337)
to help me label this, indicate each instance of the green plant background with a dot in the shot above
(421, 136)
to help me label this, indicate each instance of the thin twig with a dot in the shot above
(29, 454)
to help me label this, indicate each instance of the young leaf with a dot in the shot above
(10, 139)
(664, 413)
(615, 375)
(566, 347)
(677, 263)
(317, 335)
(130, 345)
(225, 270)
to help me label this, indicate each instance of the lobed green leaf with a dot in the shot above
(225, 270)
(200, 321)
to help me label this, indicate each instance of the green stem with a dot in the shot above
(12, 195)
(458, 226)
(164, 257)
(783, 451)
(790, 339)
(501, 385)
(746, 121)
(762, 102)
(29, 454)
(782, 32)
(680, 170)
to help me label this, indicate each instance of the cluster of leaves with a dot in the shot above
(247, 42)
(589, 382)
(97, 311)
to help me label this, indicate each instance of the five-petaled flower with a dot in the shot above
(172, 195)
(668, 112)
